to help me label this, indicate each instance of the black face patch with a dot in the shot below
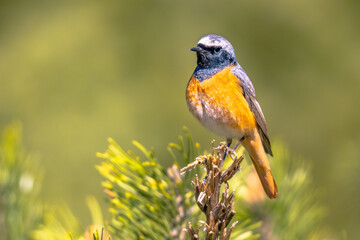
(213, 57)
(211, 50)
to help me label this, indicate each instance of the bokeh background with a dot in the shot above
(77, 72)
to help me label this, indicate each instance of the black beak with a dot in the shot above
(195, 49)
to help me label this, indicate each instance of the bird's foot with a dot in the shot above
(231, 152)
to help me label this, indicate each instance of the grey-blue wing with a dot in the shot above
(249, 94)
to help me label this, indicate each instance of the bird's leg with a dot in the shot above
(233, 150)
(228, 143)
(238, 144)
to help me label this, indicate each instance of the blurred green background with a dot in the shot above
(77, 72)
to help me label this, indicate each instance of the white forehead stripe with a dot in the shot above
(211, 41)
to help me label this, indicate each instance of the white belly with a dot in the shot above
(215, 119)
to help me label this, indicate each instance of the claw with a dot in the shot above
(231, 151)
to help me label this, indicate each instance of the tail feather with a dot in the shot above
(254, 146)
(266, 179)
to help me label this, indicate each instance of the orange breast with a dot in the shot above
(218, 103)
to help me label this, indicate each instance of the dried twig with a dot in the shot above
(219, 212)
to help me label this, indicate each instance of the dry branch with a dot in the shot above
(219, 212)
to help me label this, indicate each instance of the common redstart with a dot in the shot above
(221, 96)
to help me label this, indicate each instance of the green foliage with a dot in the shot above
(58, 222)
(296, 213)
(20, 209)
(246, 229)
(100, 236)
(22, 215)
(147, 202)
(143, 205)
(150, 202)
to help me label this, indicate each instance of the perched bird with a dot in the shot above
(221, 96)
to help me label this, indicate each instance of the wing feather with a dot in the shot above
(249, 94)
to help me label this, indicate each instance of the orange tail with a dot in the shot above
(258, 156)
(266, 178)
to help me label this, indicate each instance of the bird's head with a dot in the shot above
(214, 51)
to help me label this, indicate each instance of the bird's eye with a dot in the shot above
(217, 49)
